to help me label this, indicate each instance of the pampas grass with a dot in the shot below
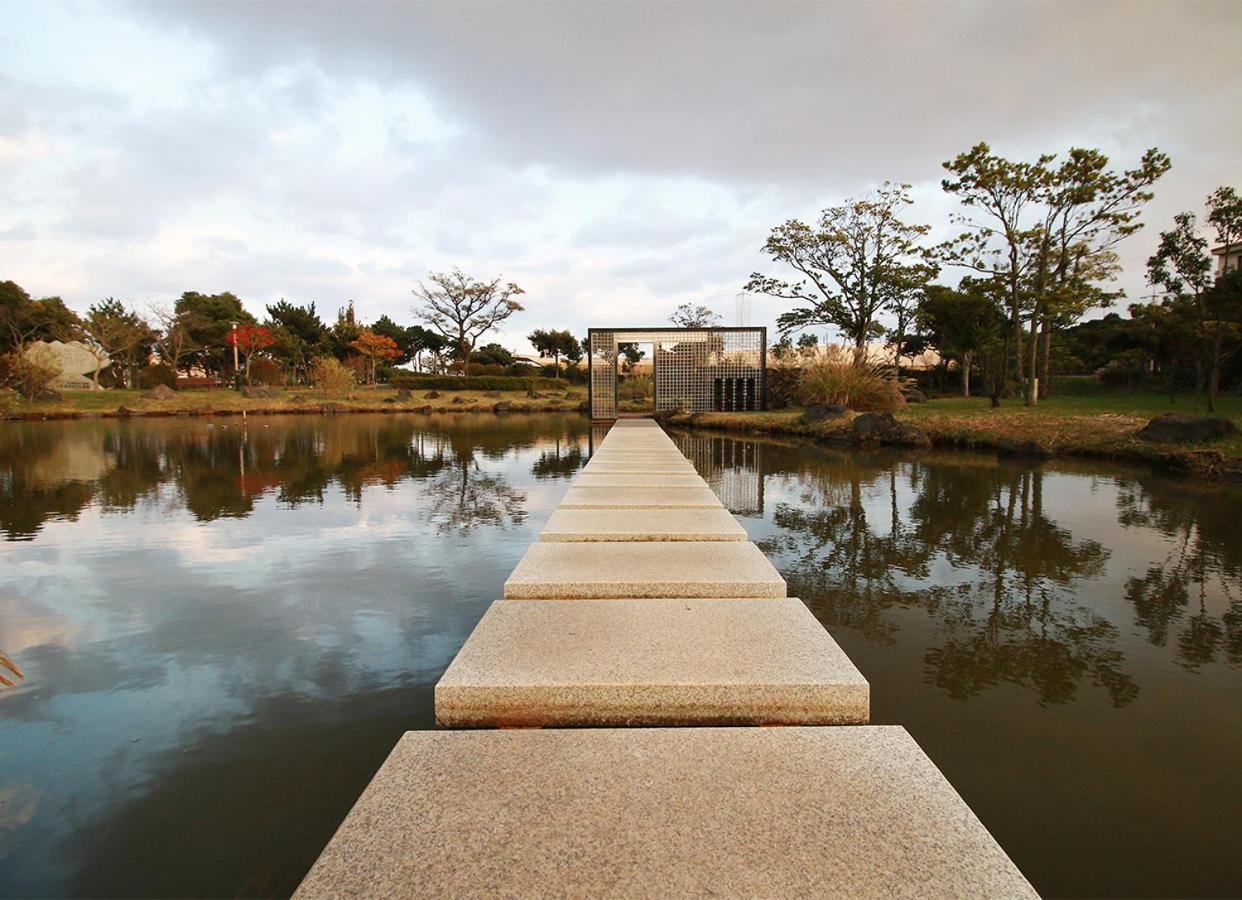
(834, 378)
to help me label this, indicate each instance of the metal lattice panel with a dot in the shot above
(693, 369)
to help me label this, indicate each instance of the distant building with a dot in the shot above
(1228, 258)
(77, 364)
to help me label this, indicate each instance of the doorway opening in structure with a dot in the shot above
(635, 378)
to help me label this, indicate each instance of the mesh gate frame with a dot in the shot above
(739, 353)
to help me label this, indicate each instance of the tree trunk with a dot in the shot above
(967, 358)
(95, 378)
(1214, 373)
(247, 370)
(1030, 386)
(1045, 359)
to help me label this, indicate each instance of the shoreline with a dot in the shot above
(1205, 463)
(1088, 437)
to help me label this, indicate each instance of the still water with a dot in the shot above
(225, 627)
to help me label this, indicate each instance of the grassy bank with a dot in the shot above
(78, 404)
(1100, 425)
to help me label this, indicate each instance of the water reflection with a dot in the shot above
(225, 628)
(1062, 638)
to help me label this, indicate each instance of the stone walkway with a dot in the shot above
(644, 604)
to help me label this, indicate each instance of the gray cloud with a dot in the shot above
(614, 159)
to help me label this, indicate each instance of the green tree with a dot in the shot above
(401, 336)
(493, 355)
(857, 262)
(1182, 266)
(462, 309)
(210, 318)
(546, 344)
(23, 319)
(690, 316)
(1046, 232)
(631, 353)
(300, 335)
(960, 323)
(569, 347)
(112, 332)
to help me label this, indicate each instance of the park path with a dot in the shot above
(598, 730)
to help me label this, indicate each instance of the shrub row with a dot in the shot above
(413, 381)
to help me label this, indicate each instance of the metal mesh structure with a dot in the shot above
(693, 369)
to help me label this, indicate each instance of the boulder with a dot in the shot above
(49, 395)
(431, 395)
(297, 398)
(585, 407)
(491, 393)
(903, 434)
(502, 406)
(261, 392)
(160, 392)
(913, 395)
(124, 412)
(1175, 428)
(818, 412)
(1017, 447)
(423, 409)
(869, 426)
(458, 400)
(404, 395)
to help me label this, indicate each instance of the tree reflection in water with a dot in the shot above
(1192, 594)
(971, 547)
(218, 469)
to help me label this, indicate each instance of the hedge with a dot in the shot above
(413, 381)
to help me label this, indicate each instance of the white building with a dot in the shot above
(1228, 257)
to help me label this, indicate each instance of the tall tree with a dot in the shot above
(300, 335)
(689, 315)
(858, 261)
(1045, 231)
(462, 309)
(1182, 265)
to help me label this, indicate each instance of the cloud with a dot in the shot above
(613, 159)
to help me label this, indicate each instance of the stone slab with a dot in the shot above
(546, 663)
(638, 479)
(641, 525)
(594, 571)
(640, 498)
(662, 812)
(653, 468)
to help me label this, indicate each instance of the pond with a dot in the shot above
(225, 626)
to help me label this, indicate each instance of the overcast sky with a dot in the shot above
(613, 160)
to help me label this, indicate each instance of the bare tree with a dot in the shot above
(175, 336)
(462, 310)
